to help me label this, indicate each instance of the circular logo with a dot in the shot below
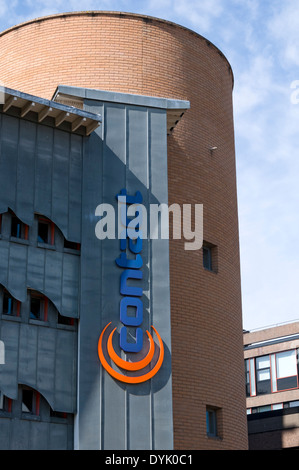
(128, 366)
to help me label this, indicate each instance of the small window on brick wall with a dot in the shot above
(210, 257)
(213, 421)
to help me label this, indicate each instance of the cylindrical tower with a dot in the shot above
(142, 55)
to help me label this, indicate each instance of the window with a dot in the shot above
(209, 253)
(18, 228)
(38, 306)
(11, 306)
(5, 403)
(72, 245)
(30, 401)
(263, 375)
(212, 424)
(61, 320)
(286, 370)
(46, 231)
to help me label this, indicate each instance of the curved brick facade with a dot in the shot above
(136, 54)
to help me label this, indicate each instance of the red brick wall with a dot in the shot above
(135, 54)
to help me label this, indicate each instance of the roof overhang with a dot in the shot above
(48, 112)
(75, 96)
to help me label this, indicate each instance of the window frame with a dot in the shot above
(51, 231)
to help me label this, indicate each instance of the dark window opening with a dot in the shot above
(30, 401)
(207, 258)
(210, 257)
(72, 245)
(211, 422)
(11, 306)
(27, 401)
(38, 306)
(46, 231)
(18, 228)
(65, 320)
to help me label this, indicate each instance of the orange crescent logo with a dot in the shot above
(130, 366)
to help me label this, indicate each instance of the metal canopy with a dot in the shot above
(175, 109)
(49, 112)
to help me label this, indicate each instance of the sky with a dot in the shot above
(260, 39)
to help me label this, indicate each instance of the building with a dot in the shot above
(159, 125)
(272, 387)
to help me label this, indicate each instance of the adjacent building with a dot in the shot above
(272, 387)
(109, 343)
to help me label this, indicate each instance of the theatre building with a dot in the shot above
(116, 342)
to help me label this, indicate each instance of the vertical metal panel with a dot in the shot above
(9, 371)
(8, 160)
(65, 379)
(60, 180)
(43, 170)
(134, 152)
(113, 180)
(89, 420)
(46, 350)
(27, 355)
(75, 188)
(26, 171)
(160, 303)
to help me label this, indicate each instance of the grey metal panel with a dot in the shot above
(46, 375)
(5, 434)
(38, 437)
(41, 171)
(88, 423)
(4, 257)
(113, 180)
(28, 355)
(17, 270)
(134, 152)
(8, 161)
(70, 287)
(58, 439)
(20, 435)
(55, 274)
(26, 171)
(9, 370)
(160, 303)
(75, 187)
(65, 371)
(60, 180)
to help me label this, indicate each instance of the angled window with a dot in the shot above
(46, 231)
(38, 306)
(18, 228)
(5, 403)
(11, 306)
(30, 401)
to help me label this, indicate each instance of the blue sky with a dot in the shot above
(260, 38)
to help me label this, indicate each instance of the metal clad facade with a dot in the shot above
(132, 142)
(62, 176)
